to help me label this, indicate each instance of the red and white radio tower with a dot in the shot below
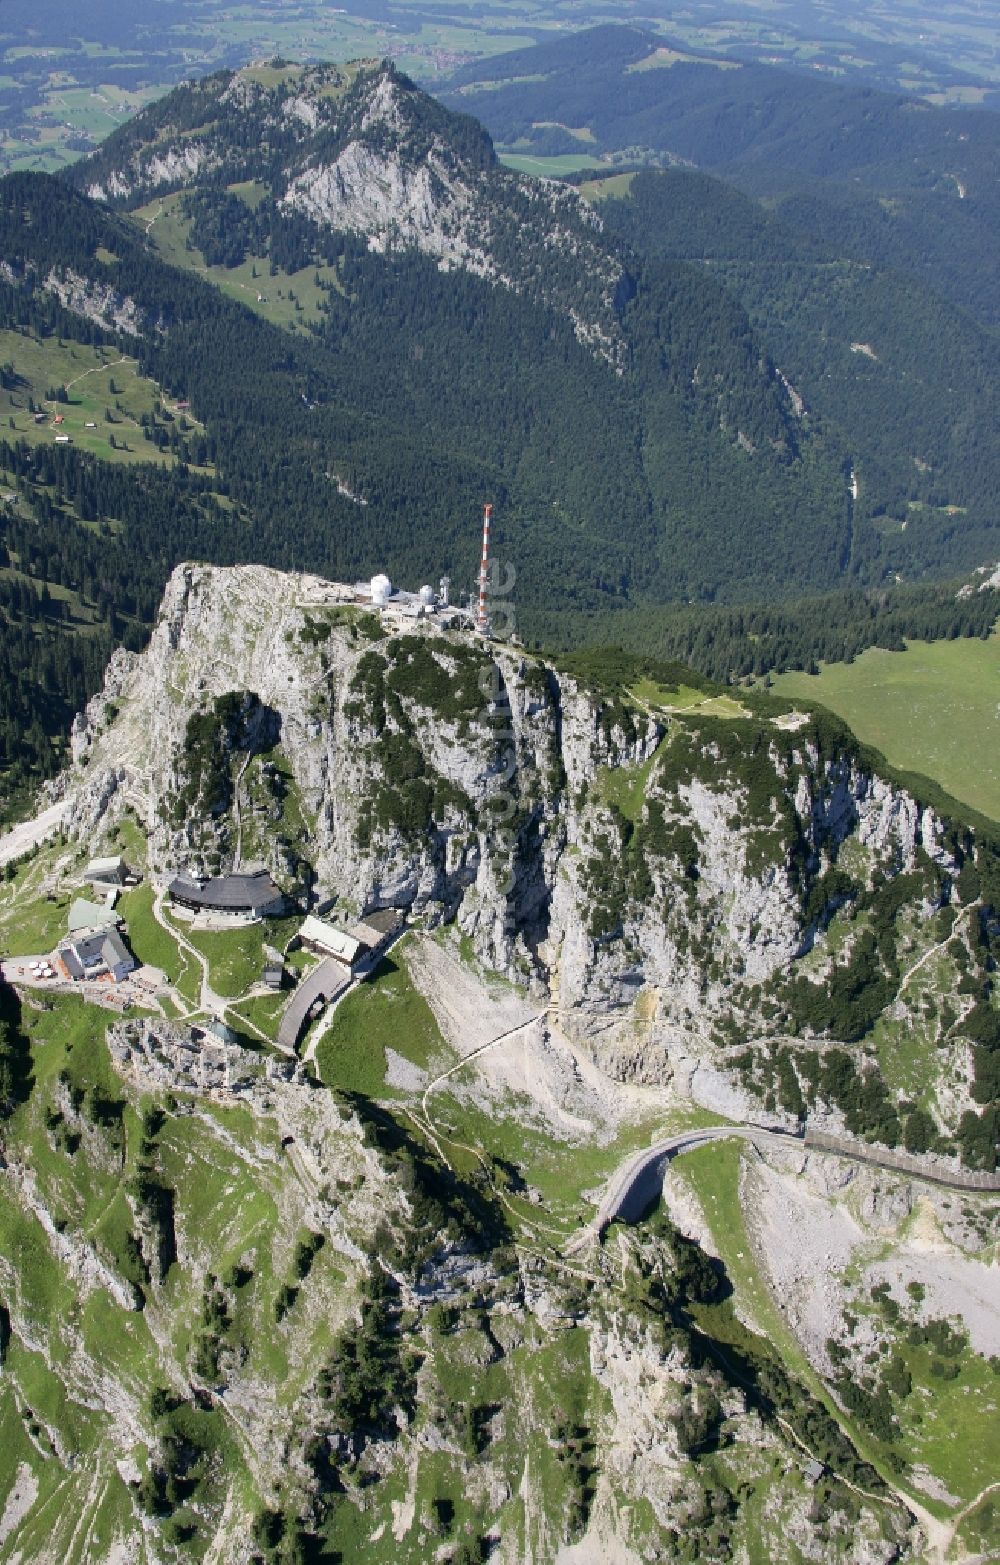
(483, 625)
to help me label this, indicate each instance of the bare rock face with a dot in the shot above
(468, 781)
(102, 304)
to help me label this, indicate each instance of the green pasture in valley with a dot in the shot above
(549, 168)
(292, 300)
(934, 709)
(94, 398)
(614, 185)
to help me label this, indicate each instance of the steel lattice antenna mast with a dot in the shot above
(483, 625)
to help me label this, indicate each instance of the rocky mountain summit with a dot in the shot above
(358, 149)
(727, 893)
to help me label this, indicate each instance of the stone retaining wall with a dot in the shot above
(903, 1162)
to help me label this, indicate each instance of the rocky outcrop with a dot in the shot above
(76, 1256)
(99, 303)
(473, 782)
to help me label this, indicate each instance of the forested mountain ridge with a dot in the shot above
(848, 397)
(881, 176)
(907, 378)
(369, 442)
(406, 387)
(289, 153)
(622, 82)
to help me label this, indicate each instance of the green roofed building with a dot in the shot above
(91, 915)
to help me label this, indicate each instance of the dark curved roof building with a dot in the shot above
(254, 895)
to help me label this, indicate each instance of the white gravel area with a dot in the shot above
(22, 1496)
(810, 1217)
(402, 1073)
(803, 1242)
(954, 1285)
(570, 1097)
(468, 1011)
(539, 1066)
(599, 1546)
(28, 834)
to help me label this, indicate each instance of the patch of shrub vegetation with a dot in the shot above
(370, 1375)
(870, 1404)
(154, 1201)
(306, 1252)
(940, 1336)
(851, 997)
(423, 675)
(614, 672)
(315, 632)
(920, 1132)
(408, 795)
(368, 690)
(979, 1137)
(209, 1340)
(863, 1099)
(616, 876)
(235, 724)
(15, 1053)
(284, 1299)
(577, 1450)
(789, 1091)
(188, 1440)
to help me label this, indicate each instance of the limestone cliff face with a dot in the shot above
(656, 874)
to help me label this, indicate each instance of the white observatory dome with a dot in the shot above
(427, 596)
(381, 589)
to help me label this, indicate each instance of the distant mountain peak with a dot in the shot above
(359, 148)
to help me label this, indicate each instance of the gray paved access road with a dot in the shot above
(634, 1186)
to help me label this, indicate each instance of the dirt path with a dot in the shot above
(470, 1013)
(474, 1054)
(918, 964)
(238, 811)
(99, 369)
(440, 1138)
(208, 999)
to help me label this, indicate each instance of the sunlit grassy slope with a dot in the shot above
(934, 708)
